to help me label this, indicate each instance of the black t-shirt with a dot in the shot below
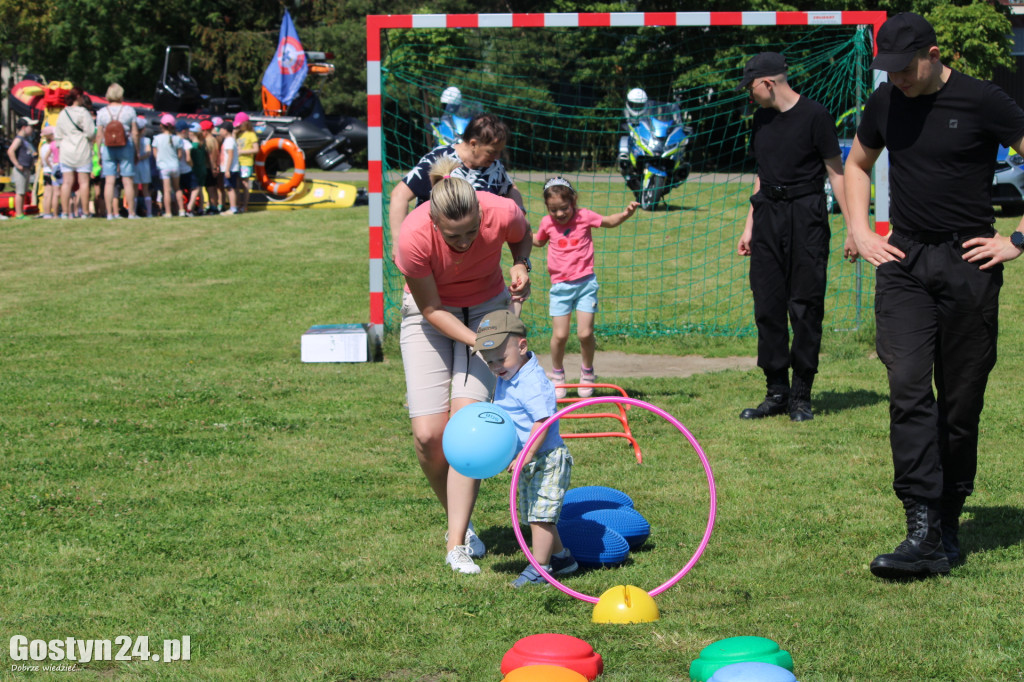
(790, 146)
(942, 150)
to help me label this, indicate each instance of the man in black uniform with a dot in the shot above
(938, 276)
(787, 232)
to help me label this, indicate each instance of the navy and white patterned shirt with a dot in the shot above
(493, 179)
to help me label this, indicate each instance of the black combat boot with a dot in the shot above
(949, 514)
(921, 553)
(776, 401)
(800, 399)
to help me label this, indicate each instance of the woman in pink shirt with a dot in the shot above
(449, 250)
(573, 282)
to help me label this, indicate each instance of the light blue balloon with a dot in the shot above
(480, 440)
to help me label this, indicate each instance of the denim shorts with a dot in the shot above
(118, 160)
(579, 294)
(143, 172)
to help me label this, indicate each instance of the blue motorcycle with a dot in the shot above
(652, 155)
(457, 114)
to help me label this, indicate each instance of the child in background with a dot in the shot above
(197, 153)
(573, 282)
(22, 154)
(184, 168)
(168, 156)
(49, 158)
(143, 169)
(248, 146)
(229, 166)
(97, 205)
(211, 145)
(528, 396)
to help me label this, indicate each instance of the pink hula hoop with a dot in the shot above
(712, 506)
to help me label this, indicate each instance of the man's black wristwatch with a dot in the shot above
(1017, 239)
(524, 261)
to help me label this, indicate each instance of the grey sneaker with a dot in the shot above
(529, 576)
(476, 546)
(563, 565)
(460, 560)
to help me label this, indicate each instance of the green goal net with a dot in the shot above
(673, 267)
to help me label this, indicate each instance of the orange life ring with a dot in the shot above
(280, 189)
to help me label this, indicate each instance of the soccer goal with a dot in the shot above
(560, 81)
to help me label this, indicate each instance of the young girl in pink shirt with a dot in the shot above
(573, 282)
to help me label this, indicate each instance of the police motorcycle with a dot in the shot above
(456, 116)
(652, 154)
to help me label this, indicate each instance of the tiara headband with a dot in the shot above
(554, 182)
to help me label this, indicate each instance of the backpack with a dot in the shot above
(113, 133)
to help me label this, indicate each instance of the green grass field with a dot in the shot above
(172, 469)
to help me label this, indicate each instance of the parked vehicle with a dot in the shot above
(1008, 181)
(457, 114)
(652, 155)
(846, 128)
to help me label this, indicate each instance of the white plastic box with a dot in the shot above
(336, 343)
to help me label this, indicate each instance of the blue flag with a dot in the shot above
(289, 67)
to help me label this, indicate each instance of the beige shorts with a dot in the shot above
(438, 369)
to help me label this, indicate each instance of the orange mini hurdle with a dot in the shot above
(619, 416)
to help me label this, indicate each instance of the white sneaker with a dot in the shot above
(460, 560)
(586, 378)
(557, 376)
(473, 541)
(476, 546)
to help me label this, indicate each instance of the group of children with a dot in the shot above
(173, 169)
(524, 390)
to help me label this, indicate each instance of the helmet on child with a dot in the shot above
(636, 101)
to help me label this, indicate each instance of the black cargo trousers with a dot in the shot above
(937, 320)
(788, 271)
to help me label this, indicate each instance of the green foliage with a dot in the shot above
(973, 38)
(95, 42)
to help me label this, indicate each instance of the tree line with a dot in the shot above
(96, 42)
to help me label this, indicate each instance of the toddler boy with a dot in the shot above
(525, 392)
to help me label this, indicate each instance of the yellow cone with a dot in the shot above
(625, 604)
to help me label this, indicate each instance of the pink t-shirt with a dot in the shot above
(463, 279)
(571, 247)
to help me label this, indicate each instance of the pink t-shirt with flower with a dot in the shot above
(570, 246)
(463, 279)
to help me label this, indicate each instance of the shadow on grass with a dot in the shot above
(830, 402)
(501, 541)
(991, 528)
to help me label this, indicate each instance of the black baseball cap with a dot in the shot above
(900, 38)
(761, 65)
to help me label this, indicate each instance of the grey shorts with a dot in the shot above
(438, 369)
(22, 181)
